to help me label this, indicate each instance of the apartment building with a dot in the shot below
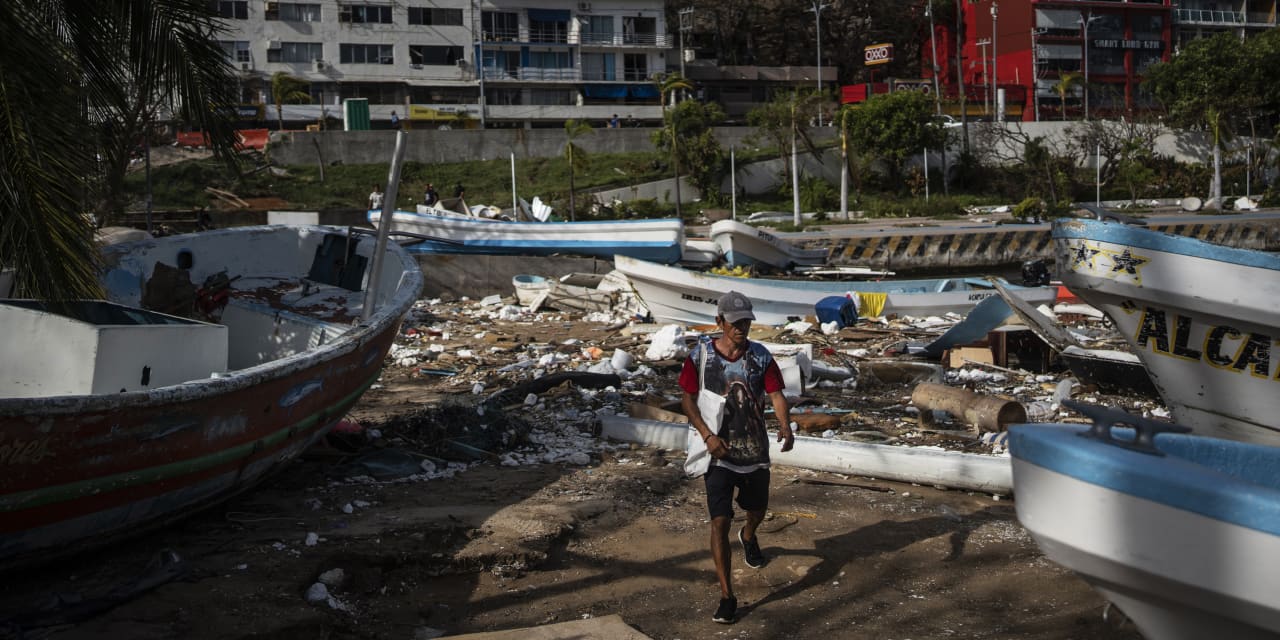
(456, 63)
(1025, 48)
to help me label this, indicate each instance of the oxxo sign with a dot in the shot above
(878, 53)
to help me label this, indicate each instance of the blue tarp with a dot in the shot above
(604, 91)
(643, 91)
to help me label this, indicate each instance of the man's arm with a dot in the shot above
(715, 446)
(783, 412)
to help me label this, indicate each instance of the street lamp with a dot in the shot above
(1086, 17)
(817, 8)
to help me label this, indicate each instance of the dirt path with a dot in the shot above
(490, 546)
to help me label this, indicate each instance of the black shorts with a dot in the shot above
(753, 490)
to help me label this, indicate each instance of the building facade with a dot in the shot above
(488, 63)
(1023, 50)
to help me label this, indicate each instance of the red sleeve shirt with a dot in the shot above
(689, 377)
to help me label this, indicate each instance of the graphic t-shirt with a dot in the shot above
(375, 199)
(746, 384)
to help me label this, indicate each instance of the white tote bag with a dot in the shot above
(711, 406)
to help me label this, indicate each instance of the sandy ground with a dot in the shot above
(499, 547)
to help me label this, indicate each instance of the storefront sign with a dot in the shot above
(1156, 45)
(878, 53)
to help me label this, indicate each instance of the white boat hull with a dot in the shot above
(1185, 550)
(745, 245)
(678, 295)
(1202, 318)
(658, 240)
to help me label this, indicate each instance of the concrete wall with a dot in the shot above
(477, 276)
(430, 145)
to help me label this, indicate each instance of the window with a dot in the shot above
(296, 52)
(635, 67)
(236, 51)
(548, 31)
(637, 30)
(503, 96)
(231, 9)
(434, 54)
(364, 13)
(598, 66)
(500, 65)
(293, 11)
(442, 95)
(597, 29)
(375, 92)
(435, 17)
(553, 96)
(500, 26)
(366, 54)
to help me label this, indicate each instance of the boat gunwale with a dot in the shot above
(385, 318)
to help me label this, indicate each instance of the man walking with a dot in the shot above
(746, 374)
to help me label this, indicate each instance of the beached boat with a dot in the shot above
(745, 245)
(658, 240)
(216, 358)
(1181, 532)
(678, 295)
(1201, 317)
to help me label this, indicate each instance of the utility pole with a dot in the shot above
(1035, 72)
(817, 8)
(1085, 18)
(964, 98)
(995, 69)
(933, 52)
(479, 55)
(686, 25)
(986, 99)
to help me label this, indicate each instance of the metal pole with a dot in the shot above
(1097, 175)
(686, 24)
(795, 178)
(995, 66)
(926, 174)
(733, 184)
(1248, 168)
(515, 203)
(986, 99)
(933, 52)
(1086, 22)
(964, 96)
(480, 56)
(384, 225)
(146, 142)
(1035, 76)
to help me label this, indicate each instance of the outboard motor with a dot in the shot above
(1035, 273)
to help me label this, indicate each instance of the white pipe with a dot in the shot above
(733, 184)
(515, 203)
(992, 474)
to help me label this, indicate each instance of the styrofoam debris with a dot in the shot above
(333, 577)
(798, 327)
(312, 539)
(317, 593)
(667, 344)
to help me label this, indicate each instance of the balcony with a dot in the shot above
(532, 74)
(1208, 17)
(524, 35)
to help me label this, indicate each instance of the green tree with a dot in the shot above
(669, 86)
(785, 122)
(699, 153)
(1208, 85)
(1066, 85)
(287, 89)
(81, 84)
(894, 127)
(575, 156)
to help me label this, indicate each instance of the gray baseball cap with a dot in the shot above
(734, 307)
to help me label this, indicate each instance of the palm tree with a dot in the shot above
(81, 82)
(287, 89)
(668, 85)
(575, 155)
(1067, 83)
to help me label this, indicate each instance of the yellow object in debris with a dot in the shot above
(871, 305)
(797, 514)
(736, 272)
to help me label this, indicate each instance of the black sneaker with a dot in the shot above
(751, 551)
(726, 611)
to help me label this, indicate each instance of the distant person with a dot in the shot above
(432, 197)
(395, 120)
(631, 122)
(375, 198)
(458, 190)
(613, 122)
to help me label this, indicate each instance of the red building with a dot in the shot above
(1027, 47)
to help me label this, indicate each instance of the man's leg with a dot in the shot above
(720, 553)
(754, 499)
